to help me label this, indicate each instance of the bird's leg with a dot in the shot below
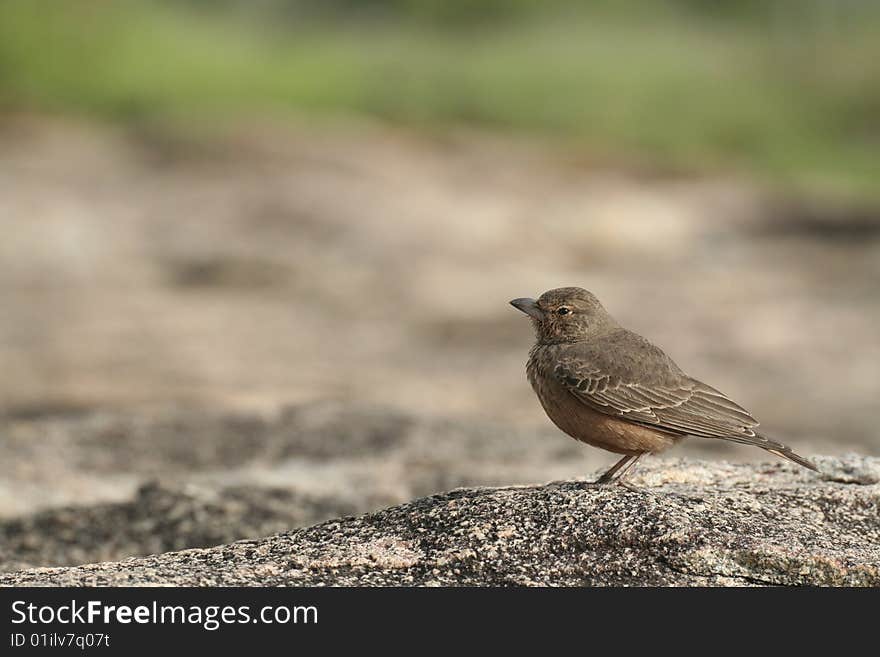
(619, 479)
(629, 466)
(623, 466)
(608, 477)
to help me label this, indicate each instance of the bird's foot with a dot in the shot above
(630, 487)
(594, 484)
(608, 483)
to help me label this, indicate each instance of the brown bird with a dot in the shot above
(611, 388)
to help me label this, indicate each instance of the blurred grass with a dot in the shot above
(792, 95)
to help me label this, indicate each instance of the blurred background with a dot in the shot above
(255, 257)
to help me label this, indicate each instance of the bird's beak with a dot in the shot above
(529, 307)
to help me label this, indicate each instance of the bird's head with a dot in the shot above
(566, 314)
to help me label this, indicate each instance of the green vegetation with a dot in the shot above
(795, 97)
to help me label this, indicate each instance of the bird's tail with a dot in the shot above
(783, 451)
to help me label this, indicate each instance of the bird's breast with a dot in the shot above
(583, 423)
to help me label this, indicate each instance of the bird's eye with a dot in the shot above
(563, 310)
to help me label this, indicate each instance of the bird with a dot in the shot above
(611, 388)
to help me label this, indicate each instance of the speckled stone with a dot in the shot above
(694, 523)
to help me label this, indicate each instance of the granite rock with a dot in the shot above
(692, 523)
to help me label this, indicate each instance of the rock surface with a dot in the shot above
(363, 456)
(107, 486)
(694, 523)
(158, 519)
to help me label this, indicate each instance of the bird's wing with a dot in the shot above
(626, 376)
